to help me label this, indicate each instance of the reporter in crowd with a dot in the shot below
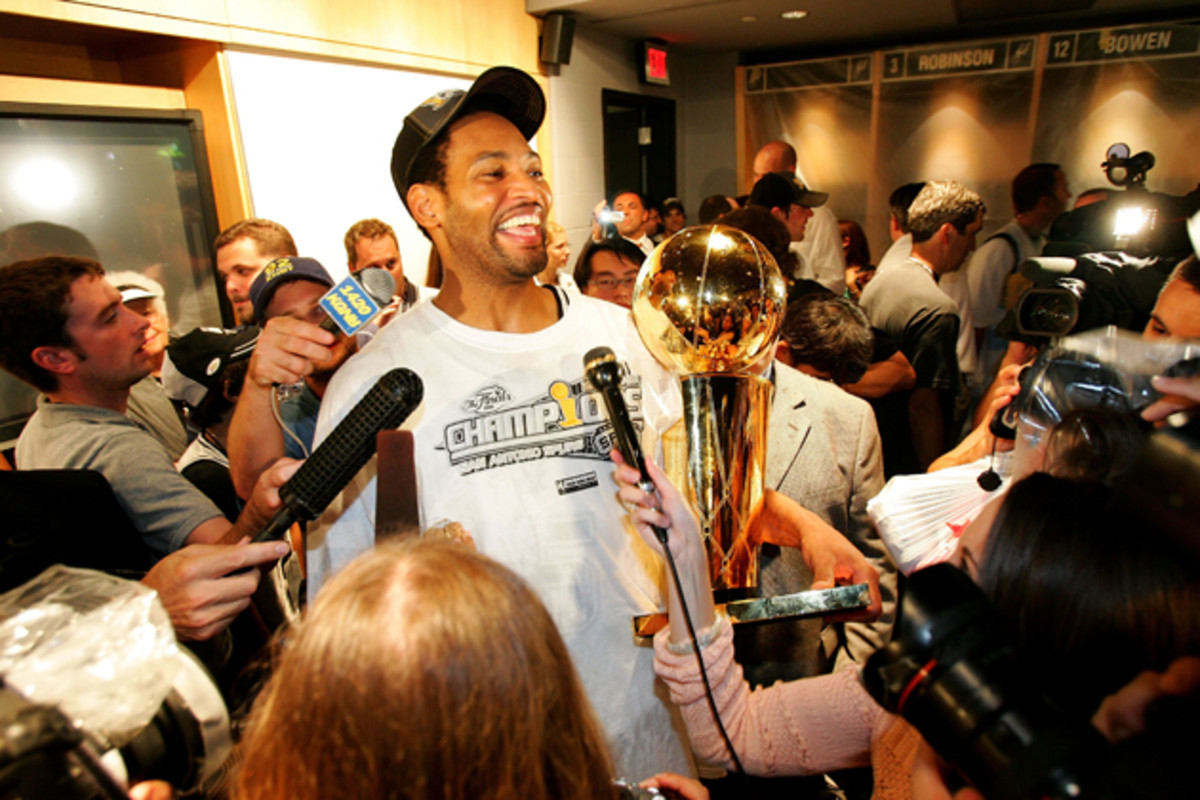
(355, 709)
(1125, 604)
(64, 330)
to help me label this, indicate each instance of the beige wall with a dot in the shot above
(170, 54)
(457, 36)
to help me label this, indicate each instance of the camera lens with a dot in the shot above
(1054, 313)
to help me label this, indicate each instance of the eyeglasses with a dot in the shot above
(608, 284)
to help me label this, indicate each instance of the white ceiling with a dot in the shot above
(838, 25)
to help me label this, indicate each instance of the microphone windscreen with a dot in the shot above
(352, 443)
(378, 283)
(600, 366)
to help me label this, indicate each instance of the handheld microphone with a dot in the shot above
(376, 282)
(603, 372)
(344, 452)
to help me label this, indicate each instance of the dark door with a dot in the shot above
(639, 144)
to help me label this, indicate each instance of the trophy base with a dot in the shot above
(722, 596)
(813, 603)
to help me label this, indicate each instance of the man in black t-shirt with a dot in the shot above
(906, 303)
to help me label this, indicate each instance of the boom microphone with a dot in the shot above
(603, 372)
(344, 452)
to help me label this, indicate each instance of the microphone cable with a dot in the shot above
(604, 374)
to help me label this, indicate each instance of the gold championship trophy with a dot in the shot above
(709, 305)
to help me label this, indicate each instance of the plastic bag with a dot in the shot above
(100, 648)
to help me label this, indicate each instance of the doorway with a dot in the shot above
(639, 144)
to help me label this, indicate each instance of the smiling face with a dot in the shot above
(492, 211)
(109, 351)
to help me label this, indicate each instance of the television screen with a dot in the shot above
(129, 188)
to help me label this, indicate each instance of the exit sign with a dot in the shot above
(654, 63)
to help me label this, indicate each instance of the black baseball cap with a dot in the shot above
(196, 360)
(506, 91)
(280, 271)
(784, 189)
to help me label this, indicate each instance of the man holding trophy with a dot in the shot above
(511, 441)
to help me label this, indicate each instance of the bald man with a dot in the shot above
(821, 256)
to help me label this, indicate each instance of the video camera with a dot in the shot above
(97, 695)
(1104, 263)
(1135, 220)
(1105, 367)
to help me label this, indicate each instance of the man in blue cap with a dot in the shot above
(276, 413)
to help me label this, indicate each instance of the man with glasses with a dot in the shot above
(608, 269)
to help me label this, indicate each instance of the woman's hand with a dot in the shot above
(669, 511)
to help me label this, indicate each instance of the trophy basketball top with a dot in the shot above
(709, 300)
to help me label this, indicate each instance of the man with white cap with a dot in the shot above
(149, 405)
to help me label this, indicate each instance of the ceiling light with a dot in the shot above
(794, 14)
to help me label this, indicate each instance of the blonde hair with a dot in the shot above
(425, 670)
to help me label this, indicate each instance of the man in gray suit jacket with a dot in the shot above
(823, 451)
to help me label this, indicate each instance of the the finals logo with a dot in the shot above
(567, 421)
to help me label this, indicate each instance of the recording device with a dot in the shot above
(376, 282)
(1123, 169)
(347, 312)
(1049, 308)
(96, 695)
(1134, 220)
(1106, 367)
(949, 672)
(344, 452)
(1088, 291)
(627, 790)
(43, 755)
(608, 220)
(604, 374)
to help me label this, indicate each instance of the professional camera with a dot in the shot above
(949, 672)
(97, 695)
(1105, 367)
(1104, 263)
(1135, 221)
(1089, 291)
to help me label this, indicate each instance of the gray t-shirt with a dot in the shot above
(150, 408)
(163, 505)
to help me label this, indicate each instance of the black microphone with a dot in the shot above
(344, 452)
(603, 372)
(377, 283)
